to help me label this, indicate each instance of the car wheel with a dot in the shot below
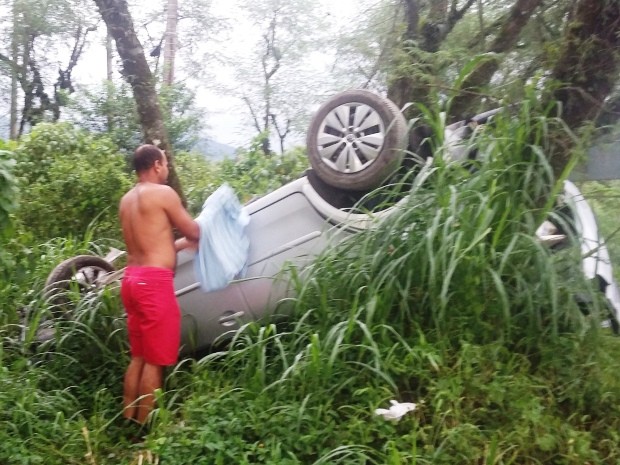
(83, 271)
(356, 140)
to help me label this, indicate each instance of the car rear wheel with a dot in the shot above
(356, 140)
(83, 272)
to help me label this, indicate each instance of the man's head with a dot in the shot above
(151, 160)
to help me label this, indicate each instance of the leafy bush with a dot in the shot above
(8, 196)
(69, 180)
(111, 110)
(250, 173)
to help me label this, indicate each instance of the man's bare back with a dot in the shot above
(146, 228)
(148, 214)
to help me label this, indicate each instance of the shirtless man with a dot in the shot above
(148, 214)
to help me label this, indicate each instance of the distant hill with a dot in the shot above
(213, 149)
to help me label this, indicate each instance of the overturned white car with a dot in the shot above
(355, 140)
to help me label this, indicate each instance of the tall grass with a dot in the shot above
(450, 303)
(51, 392)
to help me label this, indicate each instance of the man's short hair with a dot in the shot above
(145, 157)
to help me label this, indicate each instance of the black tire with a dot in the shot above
(356, 140)
(82, 270)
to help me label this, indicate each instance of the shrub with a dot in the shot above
(8, 195)
(69, 180)
(250, 173)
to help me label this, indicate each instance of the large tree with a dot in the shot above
(414, 80)
(477, 54)
(136, 71)
(38, 35)
(272, 80)
(507, 36)
(587, 70)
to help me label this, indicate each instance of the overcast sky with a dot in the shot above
(225, 119)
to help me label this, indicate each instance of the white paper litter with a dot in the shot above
(396, 411)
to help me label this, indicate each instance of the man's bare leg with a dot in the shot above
(151, 379)
(131, 385)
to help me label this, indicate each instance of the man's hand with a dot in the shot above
(185, 243)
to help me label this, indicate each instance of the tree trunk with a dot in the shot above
(13, 131)
(435, 25)
(136, 71)
(481, 75)
(587, 68)
(109, 57)
(401, 88)
(170, 41)
(109, 75)
(416, 85)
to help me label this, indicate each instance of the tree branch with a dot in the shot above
(246, 99)
(281, 135)
(507, 37)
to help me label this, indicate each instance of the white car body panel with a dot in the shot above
(294, 224)
(297, 222)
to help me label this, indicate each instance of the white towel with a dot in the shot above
(224, 245)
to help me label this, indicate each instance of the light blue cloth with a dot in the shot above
(224, 245)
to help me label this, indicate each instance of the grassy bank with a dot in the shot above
(451, 304)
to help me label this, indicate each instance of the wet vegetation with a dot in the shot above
(450, 303)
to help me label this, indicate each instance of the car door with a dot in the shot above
(283, 227)
(205, 316)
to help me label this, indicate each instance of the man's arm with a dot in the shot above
(179, 217)
(185, 243)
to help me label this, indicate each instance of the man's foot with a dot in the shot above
(137, 439)
(131, 429)
(137, 433)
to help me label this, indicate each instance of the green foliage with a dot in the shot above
(450, 303)
(111, 110)
(28, 265)
(8, 200)
(181, 116)
(70, 180)
(250, 173)
(479, 265)
(55, 403)
(8, 188)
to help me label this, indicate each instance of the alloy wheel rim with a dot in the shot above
(351, 137)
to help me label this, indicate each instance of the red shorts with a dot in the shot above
(153, 314)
